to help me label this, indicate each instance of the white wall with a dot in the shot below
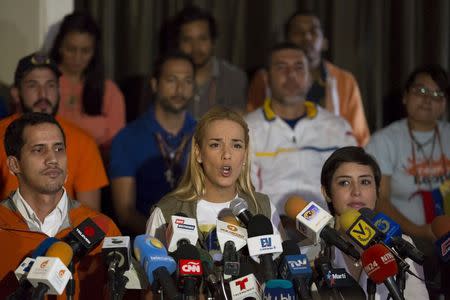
(23, 25)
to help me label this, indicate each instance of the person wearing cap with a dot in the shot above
(36, 89)
(40, 208)
(333, 88)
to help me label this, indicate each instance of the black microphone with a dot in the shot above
(295, 267)
(190, 270)
(263, 244)
(240, 209)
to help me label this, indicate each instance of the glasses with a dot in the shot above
(437, 96)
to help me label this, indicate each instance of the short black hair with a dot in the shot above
(436, 72)
(171, 55)
(300, 12)
(350, 154)
(14, 140)
(281, 46)
(194, 13)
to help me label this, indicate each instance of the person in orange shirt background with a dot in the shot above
(333, 88)
(89, 100)
(36, 89)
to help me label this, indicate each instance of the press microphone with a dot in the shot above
(314, 222)
(393, 235)
(158, 266)
(49, 274)
(240, 209)
(380, 265)
(295, 267)
(116, 253)
(263, 245)
(190, 270)
(87, 235)
(279, 289)
(359, 229)
(441, 230)
(212, 281)
(181, 230)
(22, 270)
(246, 286)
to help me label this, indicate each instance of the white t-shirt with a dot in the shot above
(392, 148)
(207, 213)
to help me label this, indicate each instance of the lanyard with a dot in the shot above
(172, 157)
(429, 159)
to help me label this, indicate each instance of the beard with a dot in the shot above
(168, 106)
(34, 106)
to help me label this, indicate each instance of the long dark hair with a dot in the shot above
(94, 77)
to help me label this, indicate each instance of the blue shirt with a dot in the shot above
(135, 152)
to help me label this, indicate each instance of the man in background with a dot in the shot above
(217, 81)
(332, 87)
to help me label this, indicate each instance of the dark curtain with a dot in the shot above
(379, 41)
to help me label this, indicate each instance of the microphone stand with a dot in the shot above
(70, 288)
(371, 289)
(401, 276)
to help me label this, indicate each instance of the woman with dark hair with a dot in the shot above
(351, 180)
(87, 98)
(414, 157)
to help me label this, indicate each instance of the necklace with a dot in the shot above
(172, 157)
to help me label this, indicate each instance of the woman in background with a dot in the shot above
(351, 180)
(87, 99)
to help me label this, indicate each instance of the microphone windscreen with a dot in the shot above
(294, 205)
(348, 218)
(186, 251)
(379, 263)
(440, 226)
(259, 225)
(43, 247)
(226, 215)
(61, 250)
(290, 247)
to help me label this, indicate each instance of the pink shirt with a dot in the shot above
(102, 127)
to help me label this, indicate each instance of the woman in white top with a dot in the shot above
(218, 171)
(351, 180)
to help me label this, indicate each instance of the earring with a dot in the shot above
(244, 163)
(199, 160)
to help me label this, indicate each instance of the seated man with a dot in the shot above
(40, 207)
(148, 156)
(292, 137)
(218, 82)
(333, 88)
(36, 89)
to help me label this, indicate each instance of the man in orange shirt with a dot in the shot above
(333, 88)
(36, 89)
(40, 207)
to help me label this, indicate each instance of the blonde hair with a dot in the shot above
(192, 185)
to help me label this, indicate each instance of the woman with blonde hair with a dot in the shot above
(217, 172)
